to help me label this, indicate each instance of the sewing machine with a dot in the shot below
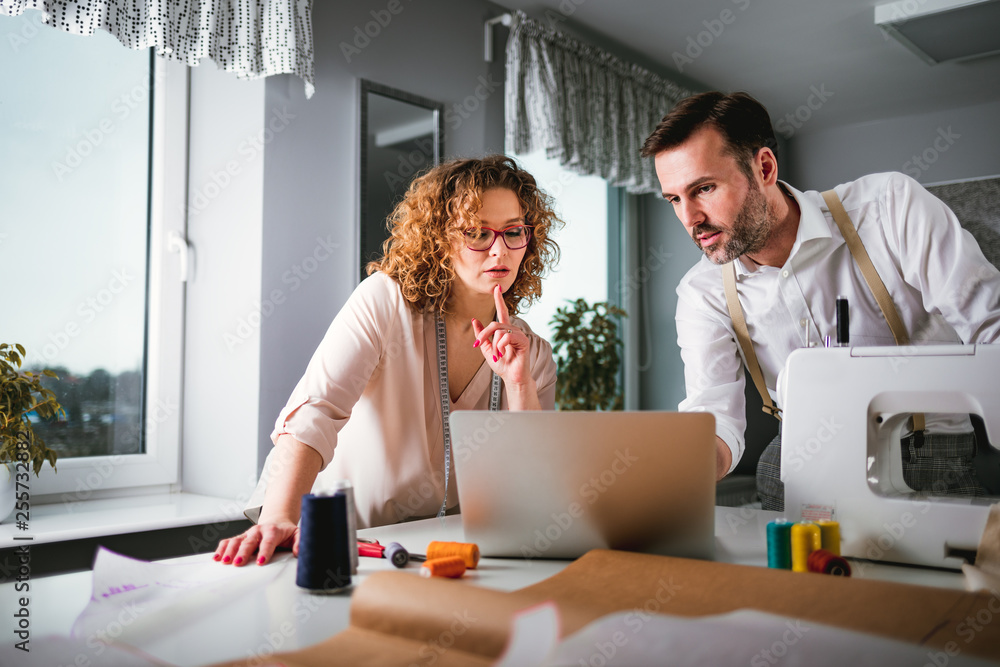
(844, 411)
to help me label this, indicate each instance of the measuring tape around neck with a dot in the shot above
(442, 350)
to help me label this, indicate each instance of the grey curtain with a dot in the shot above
(251, 38)
(584, 106)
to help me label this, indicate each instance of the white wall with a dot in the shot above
(222, 345)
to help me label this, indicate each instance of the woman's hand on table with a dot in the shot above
(262, 539)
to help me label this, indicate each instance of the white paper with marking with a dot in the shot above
(134, 600)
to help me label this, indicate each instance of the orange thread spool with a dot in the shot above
(450, 566)
(468, 552)
(824, 562)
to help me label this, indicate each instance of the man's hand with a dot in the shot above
(723, 458)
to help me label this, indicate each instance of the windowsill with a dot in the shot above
(60, 522)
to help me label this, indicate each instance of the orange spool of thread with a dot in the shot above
(806, 538)
(450, 566)
(468, 552)
(824, 562)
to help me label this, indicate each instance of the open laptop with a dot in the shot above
(547, 484)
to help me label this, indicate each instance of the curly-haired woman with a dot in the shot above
(469, 244)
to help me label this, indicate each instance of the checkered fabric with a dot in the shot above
(941, 466)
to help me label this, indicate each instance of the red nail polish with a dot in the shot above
(226, 559)
(239, 560)
(260, 561)
(494, 357)
(476, 344)
(216, 557)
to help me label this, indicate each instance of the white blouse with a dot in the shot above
(369, 404)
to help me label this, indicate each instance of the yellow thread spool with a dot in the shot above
(806, 538)
(830, 531)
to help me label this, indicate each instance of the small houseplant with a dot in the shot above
(20, 394)
(587, 349)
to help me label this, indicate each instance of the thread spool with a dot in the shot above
(344, 486)
(397, 555)
(824, 562)
(449, 566)
(806, 538)
(779, 544)
(830, 536)
(324, 563)
(469, 552)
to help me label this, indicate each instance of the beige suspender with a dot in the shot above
(743, 336)
(871, 276)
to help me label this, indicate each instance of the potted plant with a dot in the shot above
(587, 349)
(21, 393)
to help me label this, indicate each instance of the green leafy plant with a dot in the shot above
(20, 394)
(587, 349)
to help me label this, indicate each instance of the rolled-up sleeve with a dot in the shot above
(339, 370)
(713, 369)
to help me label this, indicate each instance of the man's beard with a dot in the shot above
(749, 233)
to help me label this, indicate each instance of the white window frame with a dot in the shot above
(157, 469)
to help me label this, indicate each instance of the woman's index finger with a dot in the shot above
(503, 316)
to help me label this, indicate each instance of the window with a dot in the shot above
(84, 184)
(582, 203)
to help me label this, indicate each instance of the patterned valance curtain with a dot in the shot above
(252, 38)
(585, 107)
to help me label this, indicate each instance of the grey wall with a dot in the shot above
(945, 146)
(431, 48)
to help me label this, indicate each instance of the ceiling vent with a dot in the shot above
(942, 31)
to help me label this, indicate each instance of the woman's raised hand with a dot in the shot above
(506, 349)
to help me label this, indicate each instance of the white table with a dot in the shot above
(277, 616)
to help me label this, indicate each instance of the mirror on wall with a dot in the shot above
(401, 135)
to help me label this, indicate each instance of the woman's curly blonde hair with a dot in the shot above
(443, 203)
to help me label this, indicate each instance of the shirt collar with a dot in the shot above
(812, 225)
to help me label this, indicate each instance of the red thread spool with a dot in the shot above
(824, 562)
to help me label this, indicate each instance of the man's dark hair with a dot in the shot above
(742, 120)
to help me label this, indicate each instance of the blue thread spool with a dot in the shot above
(324, 564)
(779, 544)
